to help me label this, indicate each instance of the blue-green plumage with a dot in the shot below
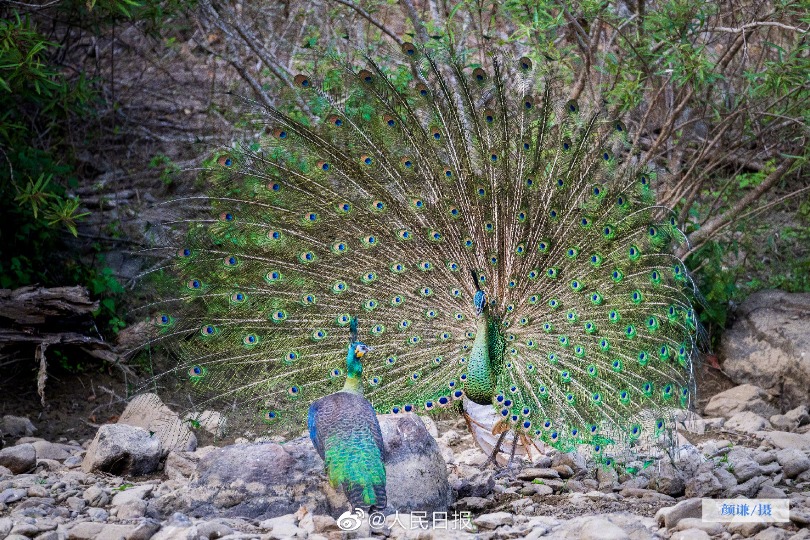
(344, 430)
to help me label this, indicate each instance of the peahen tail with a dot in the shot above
(380, 196)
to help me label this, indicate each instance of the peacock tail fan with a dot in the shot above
(379, 199)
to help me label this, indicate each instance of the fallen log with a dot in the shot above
(45, 317)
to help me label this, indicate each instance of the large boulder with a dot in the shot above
(416, 474)
(266, 480)
(769, 345)
(743, 398)
(147, 411)
(122, 450)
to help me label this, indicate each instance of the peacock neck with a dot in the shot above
(481, 377)
(354, 373)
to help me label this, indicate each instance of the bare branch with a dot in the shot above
(367, 16)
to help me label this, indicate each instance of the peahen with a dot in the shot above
(344, 430)
(500, 240)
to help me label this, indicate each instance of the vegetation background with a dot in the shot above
(108, 107)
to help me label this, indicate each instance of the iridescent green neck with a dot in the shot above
(354, 372)
(481, 366)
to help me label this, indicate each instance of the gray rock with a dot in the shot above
(98, 514)
(747, 422)
(742, 465)
(703, 485)
(212, 529)
(668, 480)
(147, 411)
(480, 484)
(96, 496)
(768, 491)
(690, 534)
(473, 503)
(416, 474)
(85, 530)
(784, 440)
(492, 521)
(773, 533)
(122, 449)
(16, 427)
(748, 488)
(712, 528)
(726, 479)
(532, 472)
(598, 528)
(19, 459)
(769, 345)
(793, 462)
(55, 451)
(144, 530)
(135, 493)
(131, 509)
(745, 397)
(5, 526)
(10, 495)
(669, 516)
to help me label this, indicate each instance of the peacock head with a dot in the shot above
(357, 349)
(360, 349)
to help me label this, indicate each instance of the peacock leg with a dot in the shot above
(493, 458)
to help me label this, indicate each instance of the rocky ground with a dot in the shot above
(145, 476)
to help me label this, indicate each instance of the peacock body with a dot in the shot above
(499, 240)
(344, 430)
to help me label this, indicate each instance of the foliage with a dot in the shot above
(49, 114)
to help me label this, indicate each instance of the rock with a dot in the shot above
(690, 534)
(783, 439)
(773, 533)
(480, 484)
(711, 528)
(746, 529)
(768, 345)
(793, 462)
(148, 412)
(121, 449)
(669, 481)
(96, 496)
(748, 488)
(598, 528)
(703, 485)
(741, 398)
(212, 529)
(135, 493)
(5, 526)
(416, 474)
(531, 473)
(85, 531)
(726, 479)
(473, 503)
(55, 451)
(742, 465)
(768, 491)
(747, 422)
(19, 459)
(670, 516)
(492, 521)
(16, 427)
(98, 514)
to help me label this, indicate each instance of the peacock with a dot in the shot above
(499, 238)
(345, 432)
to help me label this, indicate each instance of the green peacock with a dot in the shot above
(498, 239)
(344, 430)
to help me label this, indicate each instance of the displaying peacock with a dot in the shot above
(345, 431)
(500, 241)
